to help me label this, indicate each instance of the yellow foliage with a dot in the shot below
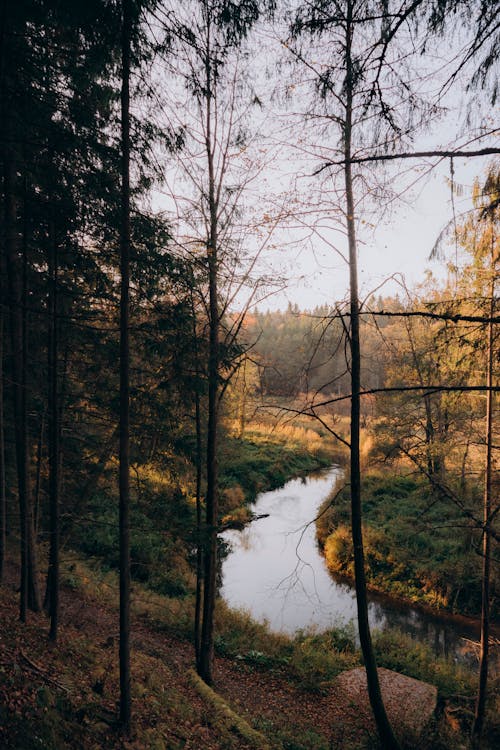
(233, 497)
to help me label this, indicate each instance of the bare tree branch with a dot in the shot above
(488, 151)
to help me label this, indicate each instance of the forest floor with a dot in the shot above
(65, 695)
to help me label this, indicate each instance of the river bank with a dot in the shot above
(259, 462)
(417, 548)
(46, 702)
(277, 573)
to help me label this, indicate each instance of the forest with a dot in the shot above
(170, 174)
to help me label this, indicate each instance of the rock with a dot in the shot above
(410, 703)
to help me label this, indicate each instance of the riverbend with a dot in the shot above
(276, 572)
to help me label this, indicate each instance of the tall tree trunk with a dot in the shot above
(54, 462)
(34, 591)
(3, 285)
(386, 734)
(477, 727)
(16, 333)
(3, 502)
(211, 500)
(431, 449)
(212, 492)
(243, 402)
(199, 542)
(124, 471)
(38, 476)
(199, 534)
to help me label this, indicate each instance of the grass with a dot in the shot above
(416, 545)
(310, 660)
(99, 583)
(264, 459)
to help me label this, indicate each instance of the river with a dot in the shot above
(276, 572)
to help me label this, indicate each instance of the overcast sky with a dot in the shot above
(396, 251)
(394, 240)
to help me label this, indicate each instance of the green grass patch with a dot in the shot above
(310, 659)
(417, 545)
(397, 651)
(257, 463)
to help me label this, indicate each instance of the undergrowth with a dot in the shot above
(309, 660)
(409, 550)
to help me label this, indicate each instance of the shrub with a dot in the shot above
(399, 652)
(316, 659)
(338, 551)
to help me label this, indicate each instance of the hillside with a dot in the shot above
(65, 696)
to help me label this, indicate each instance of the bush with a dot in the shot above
(397, 651)
(339, 552)
(316, 658)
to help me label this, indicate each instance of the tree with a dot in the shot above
(462, 317)
(478, 235)
(209, 35)
(479, 50)
(429, 428)
(487, 513)
(15, 240)
(3, 502)
(54, 438)
(60, 154)
(125, 698)
(356, 87)
(65, 148)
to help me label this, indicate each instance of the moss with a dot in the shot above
(227, 717)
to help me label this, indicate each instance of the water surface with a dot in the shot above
(276, 572)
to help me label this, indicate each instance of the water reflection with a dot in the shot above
(276, 572)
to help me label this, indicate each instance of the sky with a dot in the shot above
(396, 239)
(394, 244)
(394, 255)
